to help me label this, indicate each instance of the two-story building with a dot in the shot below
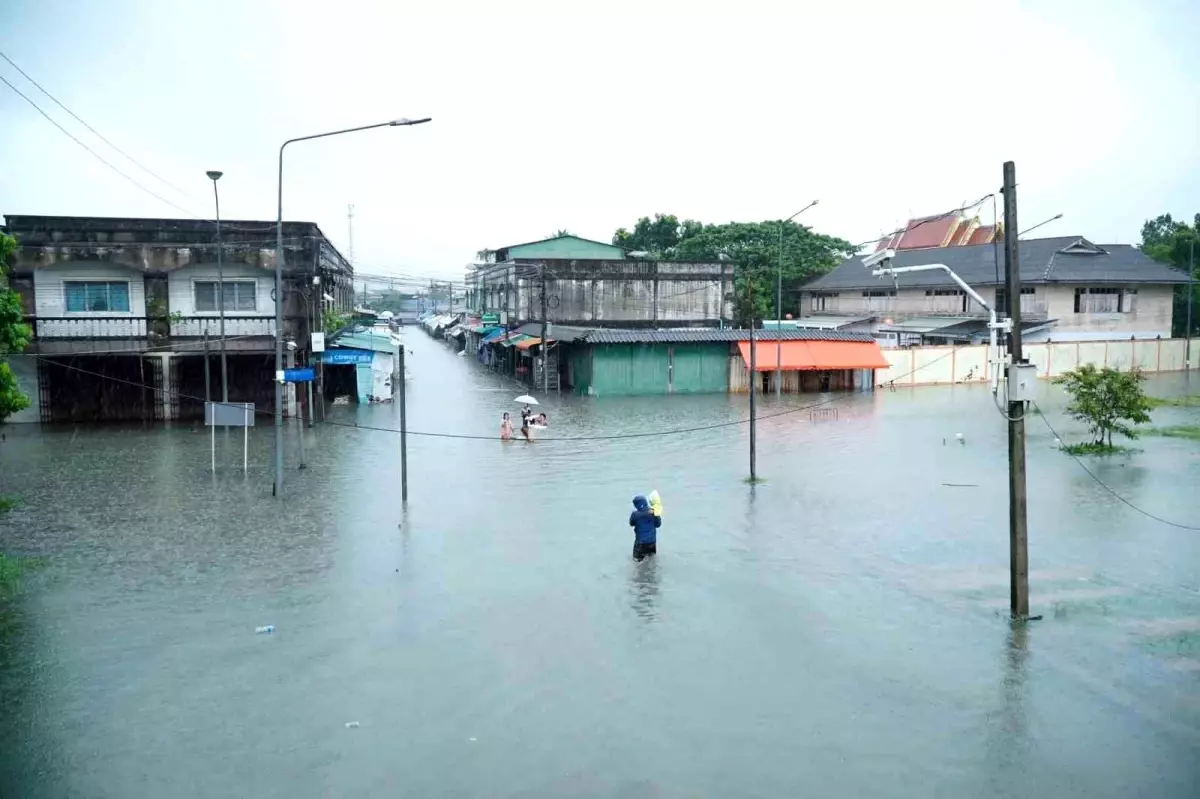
(124, 310)
(1071, 290)
(593, 284)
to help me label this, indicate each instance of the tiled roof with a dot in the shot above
(982, 235)
(710, 335)
(1051, 260)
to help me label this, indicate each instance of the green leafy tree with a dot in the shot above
(1108, 401)
(754, 249)
(14, 334)
(658, 237)
(1171, 242)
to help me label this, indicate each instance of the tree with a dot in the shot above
(658, 237)
(14, 334)
(1109, 401)
(562, 233)
(753, 247)
(1171, 242)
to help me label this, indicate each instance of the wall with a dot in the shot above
(181, 299)
(1151, 317)
(699, 368)
(50, 302)
(968, 364)
(565, 247)
(629, 369)
(589, 292)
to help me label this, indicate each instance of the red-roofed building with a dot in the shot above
(945, 230)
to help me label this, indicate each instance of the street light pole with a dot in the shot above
(214, 175)
(279, 286)
(779, 304)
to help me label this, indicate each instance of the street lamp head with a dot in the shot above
(407, 121)
(214, 174)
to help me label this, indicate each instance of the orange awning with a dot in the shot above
(530, 342)
(816, 355)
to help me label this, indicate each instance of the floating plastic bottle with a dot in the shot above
(267, 628)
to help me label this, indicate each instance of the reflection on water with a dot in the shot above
(644, 582)
(831, 627)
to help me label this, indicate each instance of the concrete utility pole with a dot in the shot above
(403, 429)
(1018, 532)
(1187, 333)
(753, 381)
(214, 176)
(545, 343)
(779, 303)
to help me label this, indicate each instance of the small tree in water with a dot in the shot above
(1108, 400)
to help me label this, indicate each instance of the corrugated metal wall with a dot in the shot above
(629, 369)
(639, 369)
(700, 368)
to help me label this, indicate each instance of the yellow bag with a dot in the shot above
(656, 505)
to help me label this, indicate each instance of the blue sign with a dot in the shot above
(347, 356)
(304, 374)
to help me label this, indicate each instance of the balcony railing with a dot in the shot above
(79, 333)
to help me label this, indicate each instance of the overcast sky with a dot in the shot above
(586, 116)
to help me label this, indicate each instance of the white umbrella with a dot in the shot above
(525, 398)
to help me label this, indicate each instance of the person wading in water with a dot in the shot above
(645, 528)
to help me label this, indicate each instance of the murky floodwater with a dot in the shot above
(838, 631)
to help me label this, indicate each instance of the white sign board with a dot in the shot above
(318, 342)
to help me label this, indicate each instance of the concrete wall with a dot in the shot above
(920, 366)
(182, 299)
(1151, 315)
(50, 301)
(589, 292)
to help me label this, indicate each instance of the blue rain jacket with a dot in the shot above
(644, 523)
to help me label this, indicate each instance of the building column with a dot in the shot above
(167, 389)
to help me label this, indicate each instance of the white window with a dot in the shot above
(819, 301)
(239, 296)
(1105, 300)
(96, 296)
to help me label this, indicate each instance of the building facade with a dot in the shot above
(123, 310)
(1071, 290)
(589, 283)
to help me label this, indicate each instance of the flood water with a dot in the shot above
(840, 630)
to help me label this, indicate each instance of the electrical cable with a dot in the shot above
(1105, 486)
(95, 154)
(472, 437)
(97, 133)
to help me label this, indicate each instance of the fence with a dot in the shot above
(924, 366)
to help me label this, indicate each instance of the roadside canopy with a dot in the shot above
(530, 343)
(815, 355)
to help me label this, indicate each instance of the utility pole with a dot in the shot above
(403, 431)
(1187, 334)
(350, 233)
(1018, 531)
(545, 342)
(753, 381)
(207, 379)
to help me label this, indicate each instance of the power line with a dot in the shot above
(1105, 486)
(474, 437)
(26, 98)
(95, 154)
(99, 135)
